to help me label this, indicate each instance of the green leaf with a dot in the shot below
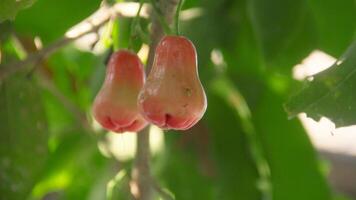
(296, 172)
(237, 174)
(216, 27)
(72, 70)
(23, 138)
(232, 95)
(9, 8)
(75, 168)
(335, 24)
(284, 29)
(245, 57)
(331, 93)
(275, 22)
(284, 143)
(51, 19)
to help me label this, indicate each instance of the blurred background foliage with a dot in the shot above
(244, 148)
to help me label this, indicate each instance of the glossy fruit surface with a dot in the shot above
(173, 97)
(115, 106)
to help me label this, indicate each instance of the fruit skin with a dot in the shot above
(115, 106)
(173, 97)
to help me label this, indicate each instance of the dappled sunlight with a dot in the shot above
(143, 53)
(95, 125)
(314, 63)
(191, 13)
(217, 59)
(89, 41)
(326, 137)
(123, 146)
(130, 9)
(38, 43)
(97, 42)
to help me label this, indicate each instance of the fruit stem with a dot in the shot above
(176, 17)
(115, 35)
(160, 16)
(134, 25)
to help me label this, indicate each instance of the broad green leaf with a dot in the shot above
(331, 93)
(226, 90)
(23, 137)
(75, 168)
(245, 56)
(217, 27)
(9, 8)
(295, 170)
(237, 176)
(284, 29)
(59, 117)
(51, 19)
(335, 24)
(286, 146)
(72, 70)
(275, 22)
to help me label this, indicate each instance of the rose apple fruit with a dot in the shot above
(115, 106)
(173, 97)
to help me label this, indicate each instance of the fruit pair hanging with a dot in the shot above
(172, 97)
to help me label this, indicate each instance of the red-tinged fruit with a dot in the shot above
(173, 97)
(115, 106)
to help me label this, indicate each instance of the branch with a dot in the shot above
(89, 25)
(141, 172)
(141, 178)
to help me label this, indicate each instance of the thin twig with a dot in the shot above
(89, 25)
(141, 172)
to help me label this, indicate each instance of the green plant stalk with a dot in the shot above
(176, 17)
(134, 24)
(115, 34)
